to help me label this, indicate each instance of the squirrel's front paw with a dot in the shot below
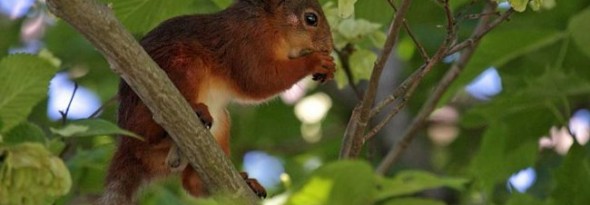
(324, 67)
(254, 185)
(203, 112)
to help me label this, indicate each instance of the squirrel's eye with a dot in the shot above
(311, 19)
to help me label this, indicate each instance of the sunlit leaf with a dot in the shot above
(536, 4)
(30, 173)
(355, 29)
(519, 5)
(410, 182)
(70, 130)
(346, 8)
(579, 28)
(92, 127)
(361, 63)
(56, 146)
(24, 80)
(342, 182)
(378, 39)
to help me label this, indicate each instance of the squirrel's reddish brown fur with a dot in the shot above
(248, 53)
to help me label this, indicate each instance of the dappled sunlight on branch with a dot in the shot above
(83, 104)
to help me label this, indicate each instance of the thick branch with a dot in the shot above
(353, 136)
(127, 58)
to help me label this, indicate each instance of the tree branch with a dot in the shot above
(353, 136)
(128, 59)
(477, 36)
(409, 85)
(421, 48)
(483, 27)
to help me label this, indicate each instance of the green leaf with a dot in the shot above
(517, 118)
(497, 49)
(573, 178)
(410, 182)
(346, 8)
(24, 80)
(523, 199)
(519, 5)
(374, 11)
(342, 182)
(536, 4)
(88, 167)
(413, 201)
(25, 132)
(537, 97)
(579, 29)
(92, 127)
(361, 63)
(507, 148)
(353, 30)
(56, 146)
(139, 16)
(69, 130)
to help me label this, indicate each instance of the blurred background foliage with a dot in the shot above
(512, 129)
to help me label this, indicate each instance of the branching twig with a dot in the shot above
(352, 141)
(64, 114)
(394, 154)
(421, 48)
(475, 38)
(416, 77)
(97, 23)
(108, 102)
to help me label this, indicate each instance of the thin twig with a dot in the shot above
(352, 142)
(64, 115)
(411, 87)
(108, 102)
(477, 16)
(344, 56)
(417, 76)
(421, 48)
(398, 107)
(394, 154)
(475, 38)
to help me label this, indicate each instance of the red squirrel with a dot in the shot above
(247, 53)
